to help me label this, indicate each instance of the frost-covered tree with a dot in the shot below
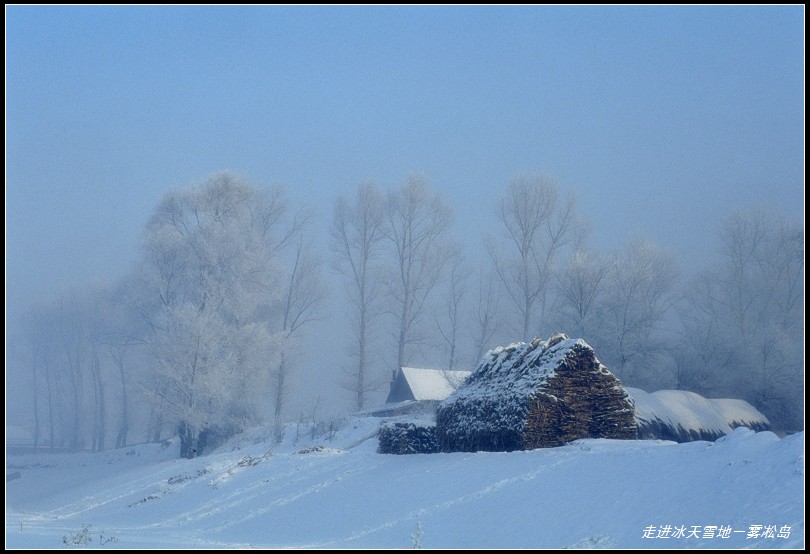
(303, 293)
(79, 324)
(449, 314)
(485, 316)
(704, 352)
(537, 225)
(32, 345)
(417, 225)
(640, 292)
(123, 341)
(618, 302)
(357, 235)
(208, 278)
(581, 290)
(63, 345)
(742, 321)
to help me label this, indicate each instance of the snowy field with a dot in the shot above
(744, 491)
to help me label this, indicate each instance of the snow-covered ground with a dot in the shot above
(745, 490)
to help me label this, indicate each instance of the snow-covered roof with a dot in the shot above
(690, 414)
(388, 409)
(433, 384)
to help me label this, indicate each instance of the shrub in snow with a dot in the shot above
(407, 437)
(80, 538)
(416, 537)
(214, 436)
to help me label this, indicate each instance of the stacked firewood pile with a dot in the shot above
(532, 395)
(582, 400)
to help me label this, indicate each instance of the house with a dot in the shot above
(683, 416)
(531, 395)
(416, 390)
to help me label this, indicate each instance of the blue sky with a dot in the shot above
(662, 119)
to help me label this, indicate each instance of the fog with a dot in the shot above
(662, 122)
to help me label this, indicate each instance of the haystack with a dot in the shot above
(532, 395)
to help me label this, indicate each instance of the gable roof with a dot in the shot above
(432, 384)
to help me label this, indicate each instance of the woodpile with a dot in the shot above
(533, 395)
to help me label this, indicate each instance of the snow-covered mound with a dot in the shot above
(685, 416)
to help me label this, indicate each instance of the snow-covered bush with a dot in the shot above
(408, 437)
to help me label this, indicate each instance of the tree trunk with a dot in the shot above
(157, 429)
(188, 441)
(402, 337)
(75, 433)
(36, 403)
(280, 377)
(102, 417)
(123, 424)
(361, 363)
(94, 377)
(49, 394)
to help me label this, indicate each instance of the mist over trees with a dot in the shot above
(203, 336)
(742, 321)
(626, 316)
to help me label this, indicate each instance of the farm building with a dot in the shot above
(531, 395)
(684, 416)
(419, 390)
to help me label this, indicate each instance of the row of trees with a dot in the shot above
(203, 334)
(199, 334)
(735, 329)
(537, 277)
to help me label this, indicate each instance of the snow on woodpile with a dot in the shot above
(684, 416)
(531, 395)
